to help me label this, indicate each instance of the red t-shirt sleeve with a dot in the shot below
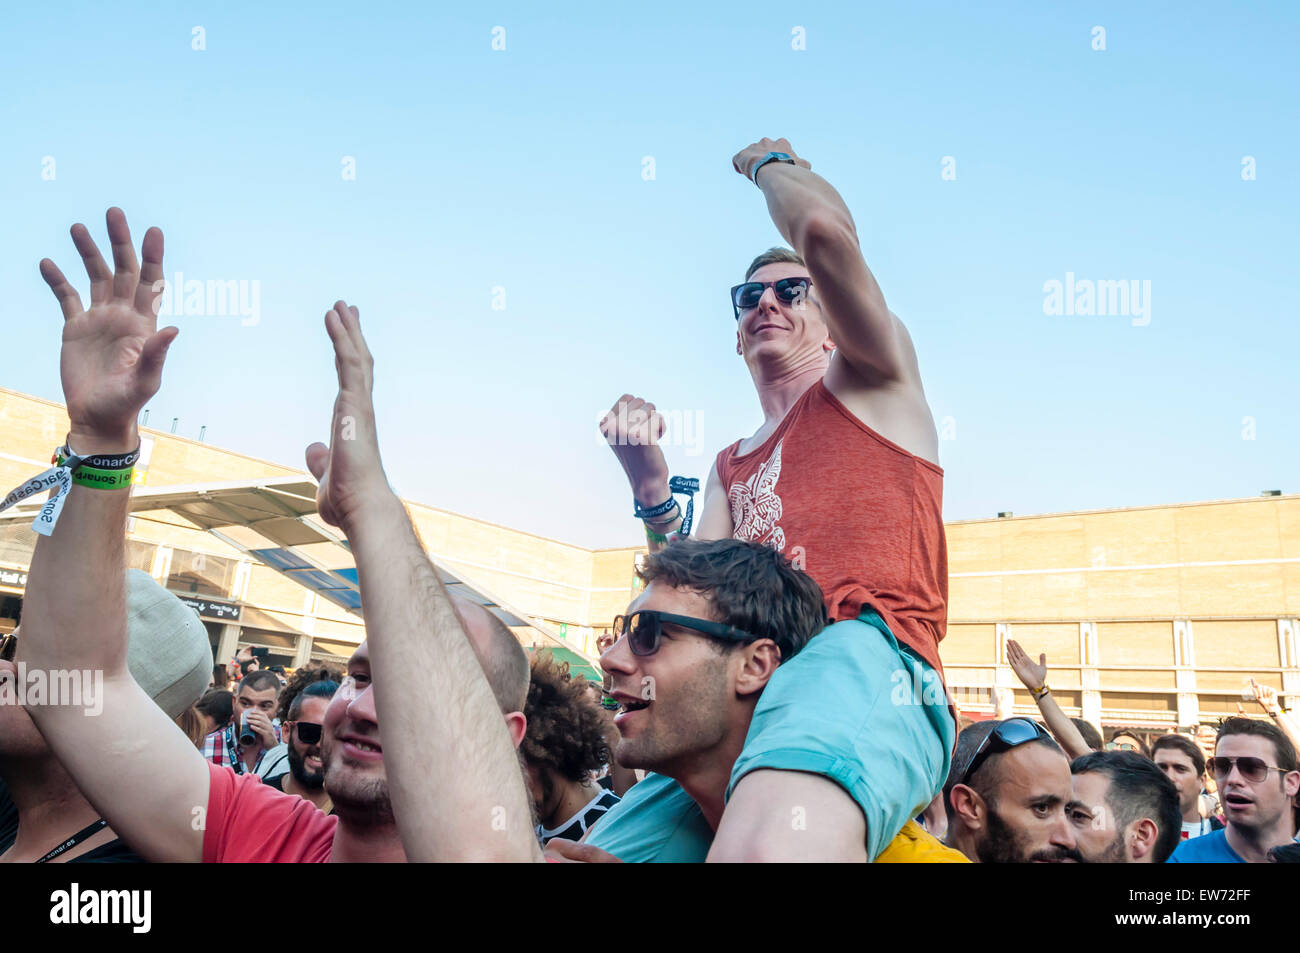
(249, 822)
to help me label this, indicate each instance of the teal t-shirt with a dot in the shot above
(656, 822)
(1211, 848)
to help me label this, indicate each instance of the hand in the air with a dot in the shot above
(633, 428)
(112, 357)
(744, 160)
(349, 469)
(1032, 674)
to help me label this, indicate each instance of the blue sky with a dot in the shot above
(521, 169)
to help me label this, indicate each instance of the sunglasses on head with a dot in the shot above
(1009, 734)
(8, 647)
(1253, 770)
(1120, 746)
(644, 629)
(308, 732)
(789, 290)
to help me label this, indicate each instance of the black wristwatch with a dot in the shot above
(770, 157)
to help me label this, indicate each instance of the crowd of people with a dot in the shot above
(774, 692)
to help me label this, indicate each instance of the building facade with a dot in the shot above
(1150, 617)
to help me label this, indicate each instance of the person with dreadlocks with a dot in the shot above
(563, 748)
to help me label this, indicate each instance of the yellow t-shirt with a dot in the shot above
(915, 845)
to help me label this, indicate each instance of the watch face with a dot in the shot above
(780, 156)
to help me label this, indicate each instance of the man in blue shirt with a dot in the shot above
(1255, 767)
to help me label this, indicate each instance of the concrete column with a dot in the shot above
(1089, 677)
(1005, 680)
(1189, 703)
(302, 652)
(228, 644)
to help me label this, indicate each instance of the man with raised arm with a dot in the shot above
(843, 476)
(396, 796)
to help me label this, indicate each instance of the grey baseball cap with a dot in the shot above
(168, 651)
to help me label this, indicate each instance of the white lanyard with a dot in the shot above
(58, 479)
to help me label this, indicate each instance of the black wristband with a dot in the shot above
(102, 461)
(650, 512)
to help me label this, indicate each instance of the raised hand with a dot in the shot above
(112, 357)
(1032, 674)
(744, 160)
(349, 469)
(633, 428)
(1266, 696)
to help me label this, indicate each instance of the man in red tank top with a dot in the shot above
(843, 477)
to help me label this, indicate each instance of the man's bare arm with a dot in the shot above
(131, 761)
(453, 775)
(813, 218)
(1033, 675)
(715, 512)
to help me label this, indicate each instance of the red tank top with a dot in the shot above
(858, 513)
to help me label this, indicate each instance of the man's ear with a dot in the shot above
(738, 350)
(517, 725)
(1291, 783)
(761, 660)
(1140, 838)
(969, 806)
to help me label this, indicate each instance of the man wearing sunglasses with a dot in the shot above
(1254, 764)
(1007, 795)
(302, 733)
(843, 476)
(691, 658)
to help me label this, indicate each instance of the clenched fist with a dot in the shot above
(633, 428)
(745, 160)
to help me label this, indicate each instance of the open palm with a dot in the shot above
(349, 470)
(1032, 674)
(112, 357)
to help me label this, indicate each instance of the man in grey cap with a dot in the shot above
(43, 814)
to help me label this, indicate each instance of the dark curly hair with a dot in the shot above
(565, 730)
(303, 677)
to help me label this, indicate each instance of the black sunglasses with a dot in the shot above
(308, 732)
(789, 290)
(1009, 734)
(1253, 770)
(8, 647)
(644, 629)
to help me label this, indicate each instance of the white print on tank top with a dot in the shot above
(756, 507)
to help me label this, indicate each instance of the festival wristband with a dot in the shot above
(653, 537)
(100, 461)
(1040, 691)
(98, 479)
(666, 520)
(650, 512)
(59, 480)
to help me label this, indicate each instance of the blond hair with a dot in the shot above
(771, 257)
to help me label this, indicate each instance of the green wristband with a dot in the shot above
(102, 479)
(653, 537)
